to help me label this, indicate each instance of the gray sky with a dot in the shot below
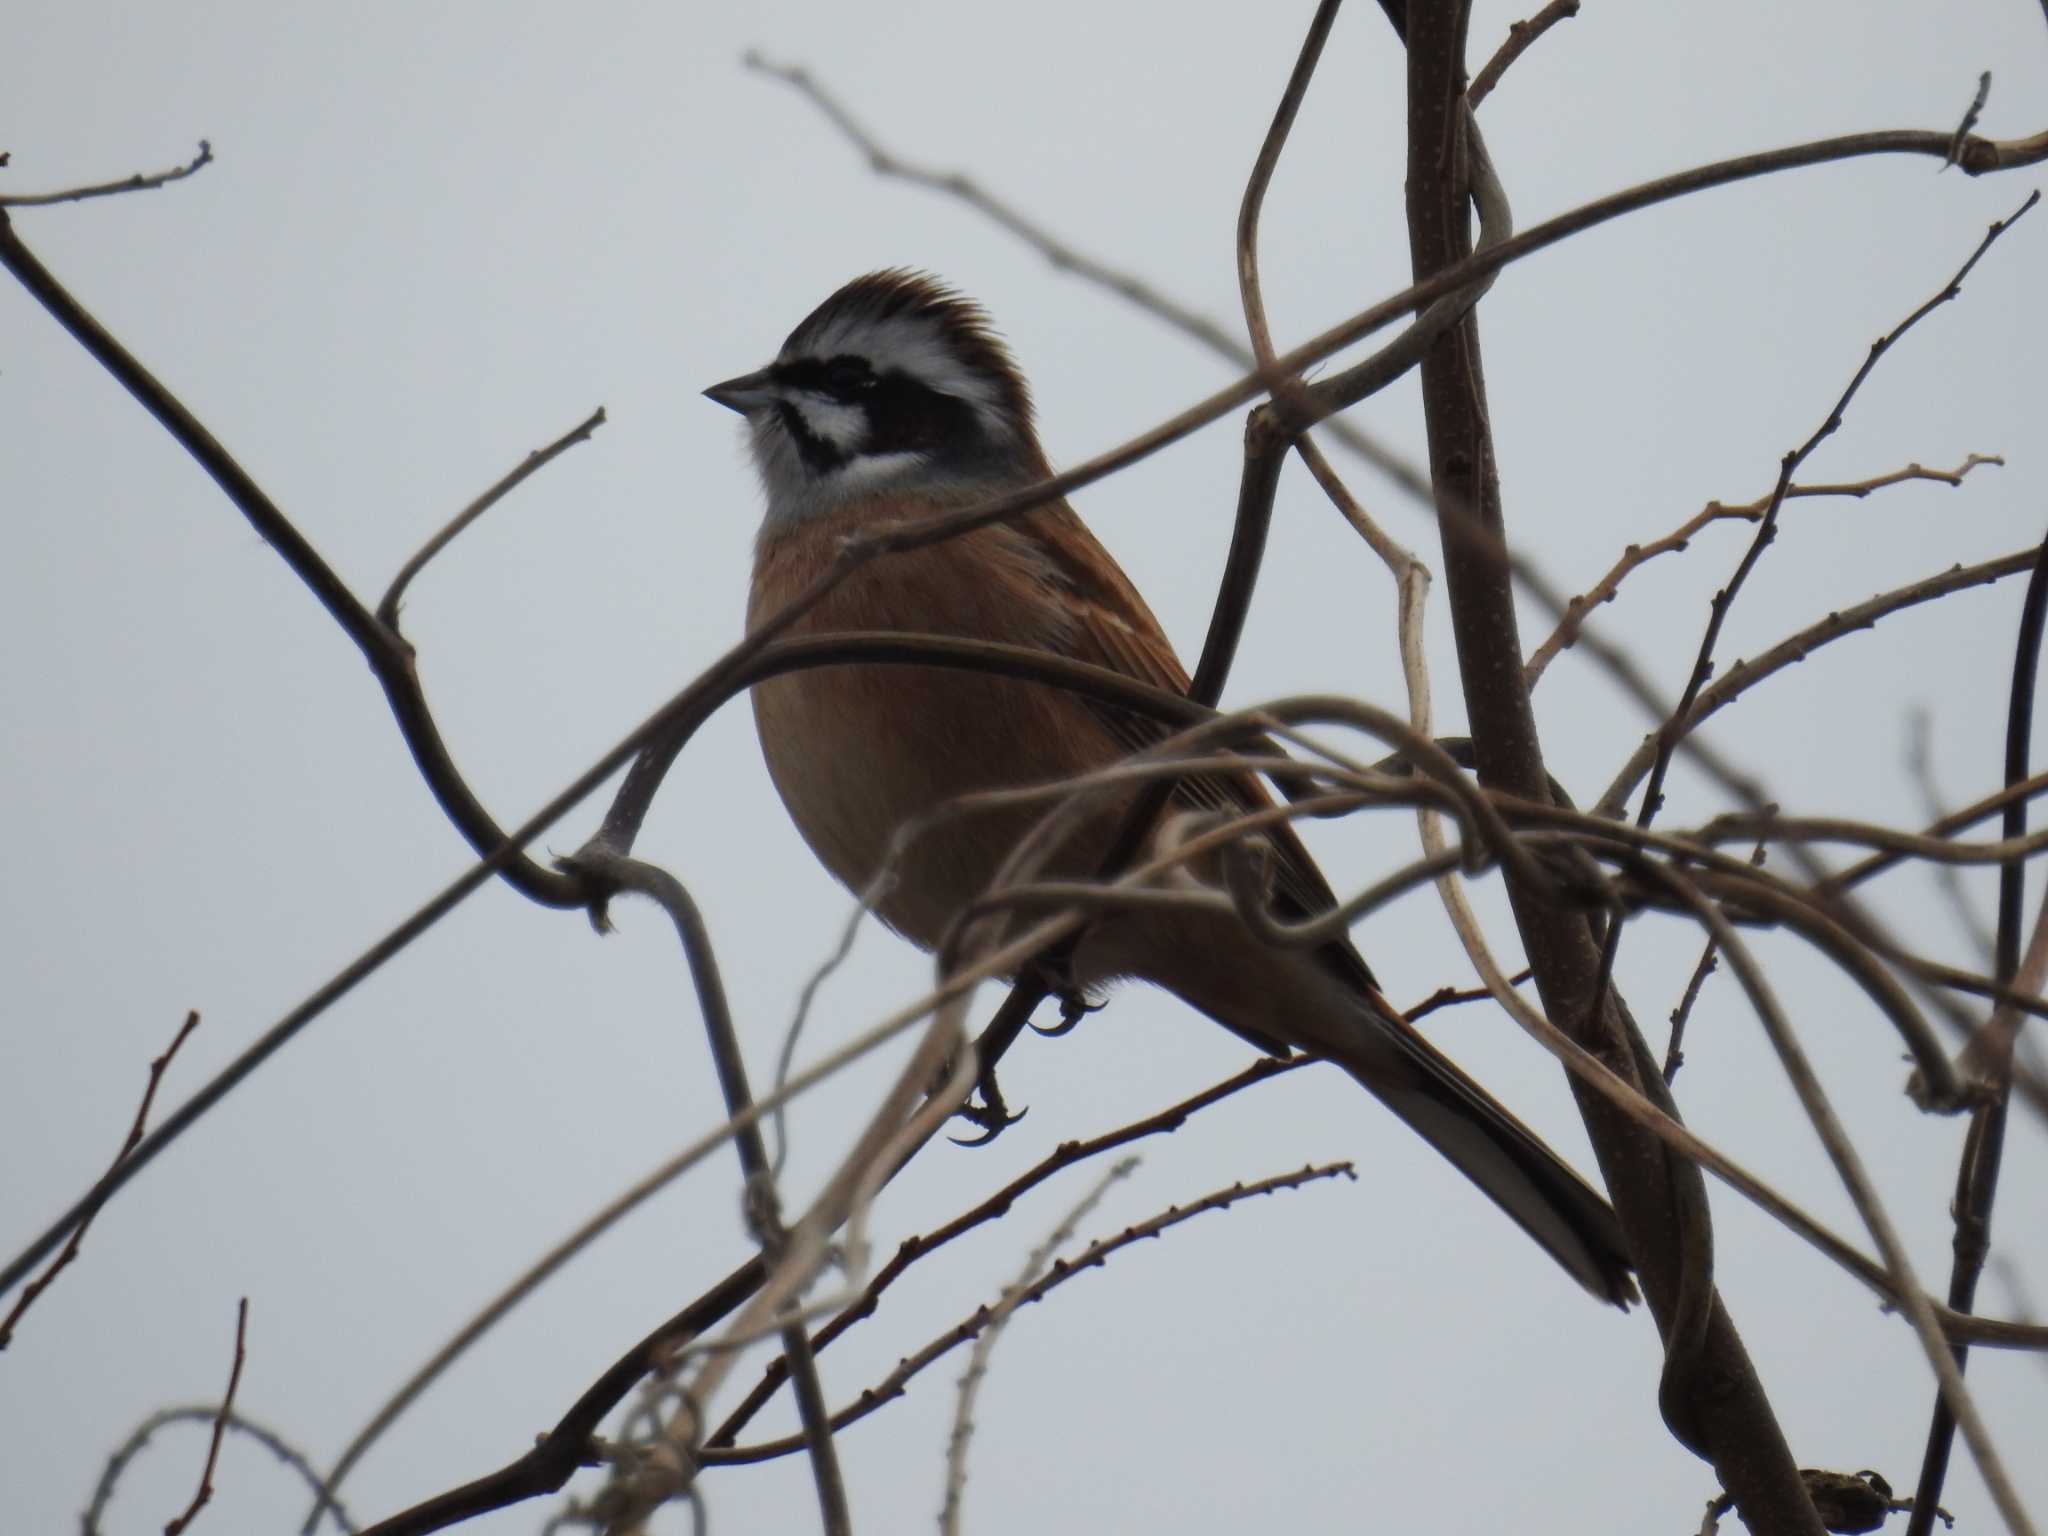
(435, 238)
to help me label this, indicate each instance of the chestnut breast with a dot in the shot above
(857, 751)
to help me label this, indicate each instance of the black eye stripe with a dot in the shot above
(845, 377)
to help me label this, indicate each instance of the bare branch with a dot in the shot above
(1970, 115)
(1767, 529)
(1521, 36)
(1092, 1257)
(89, 1207)
(1744, 675)
(136, 183)
(997, 1205)
(1680, 538)
(1674, 1053)
(1006, 1305)
(539, 459)
(204, 1493)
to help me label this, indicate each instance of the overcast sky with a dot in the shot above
(436, 237)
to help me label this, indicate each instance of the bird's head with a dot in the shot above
(895, 385)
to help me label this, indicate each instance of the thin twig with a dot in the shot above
(1674, 1052)
(1521, 35)
(1920, 769)
(136, 183)
(994, 1207)
(1637, 555)
(1955, 821)
(1093, 1257)
(1006, 1305)
(1744, 675)
(806, 999)
(539, 459)
(1767, 527)
(269, 1439)
(1970, 115)
(90, 1206)
(204, 1493)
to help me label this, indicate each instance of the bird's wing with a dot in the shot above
(1112, 627)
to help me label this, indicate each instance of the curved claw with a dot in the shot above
(991, 1114)
(1074, 1007)
(992, 1124)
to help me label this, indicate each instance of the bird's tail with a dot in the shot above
(1511, 1166)
(1324, 1002)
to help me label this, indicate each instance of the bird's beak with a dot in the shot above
(745, 394)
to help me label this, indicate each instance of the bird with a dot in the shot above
(894, 400)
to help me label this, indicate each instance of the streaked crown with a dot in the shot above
(896, 383)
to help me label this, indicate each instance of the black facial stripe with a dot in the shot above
(818, 455)
(906, 417)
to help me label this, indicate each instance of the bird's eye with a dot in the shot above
(849, 376)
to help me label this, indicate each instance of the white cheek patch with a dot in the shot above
(845, 427)
(872, 470)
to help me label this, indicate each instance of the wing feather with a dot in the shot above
(1112, 627)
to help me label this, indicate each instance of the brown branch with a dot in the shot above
(564, 1450)
(1637, 555)
(1940, 851)
(1711, 1396)
(1094, 1256)
(1950, 824)
(204, 1494)
(387, 654)
(1521, 36)
(136, 183)
(96, 1197)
